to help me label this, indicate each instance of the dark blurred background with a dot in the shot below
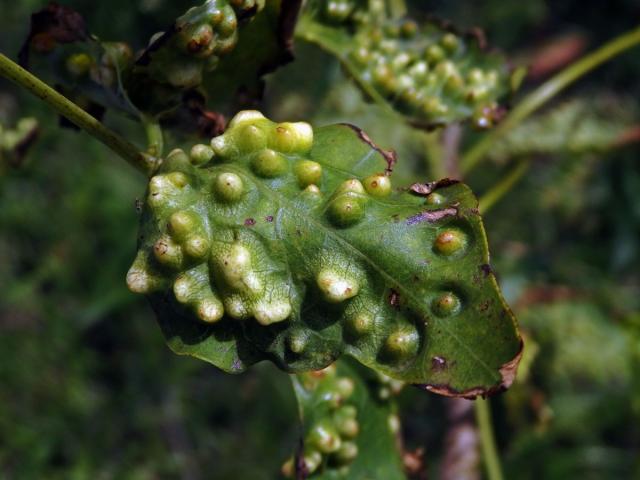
(89, 390)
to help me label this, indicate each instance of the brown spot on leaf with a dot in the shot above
(161, 248)
(438, 364)
(507, 374)
(432, 216)
(269, 218)
(425, 189)
(485, 268)
(394, 299)
(249, 222)
(389, 155)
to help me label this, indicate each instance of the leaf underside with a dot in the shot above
(322, 407)
(405, 286)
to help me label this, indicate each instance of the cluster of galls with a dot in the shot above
(428, 73)
(198, 40)
(329, 442)
(344, 11)
(104, 71)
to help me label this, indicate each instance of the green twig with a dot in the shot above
(155, 141)
(502, 187)
(487, 441)
(547, 91)
(76, 115)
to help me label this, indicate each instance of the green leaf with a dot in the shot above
(288, 243)
(428, 72)
(348, 431)
(575, 127)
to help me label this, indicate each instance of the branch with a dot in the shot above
(76, 115)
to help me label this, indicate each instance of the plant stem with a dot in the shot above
(547, 91)
(76, 115)
(155, 141)
(487, 441)
(502, 187)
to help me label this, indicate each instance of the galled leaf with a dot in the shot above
(426, 71)
(286, 243)
(348, 431)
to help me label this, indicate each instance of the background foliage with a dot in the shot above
(88, 390)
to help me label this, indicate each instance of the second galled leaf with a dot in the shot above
(426, 71)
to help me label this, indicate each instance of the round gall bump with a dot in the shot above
(181, 224)
(251, 138)
(184, 289)
(433, 106)
(269, 164)
(229, 187)
(336, 287)
(434, 199)
(79, 64)
(325, 437)
(347, 453)
(360, 323)
(176, 160)
(308, 172)
(346, 210)
(345, 387)
(378, 185)
(409, 29)
(196, 246)
(210, 310)
(178, 179)
(167, 252)
(267, 313)
(293, 137)
(139, 281)
(312, 190)
(401, 343)
(201, 154)
(235, 264)
(221, 146)
(394, 423)
(446, 305)
(434, 54)
(312, 460)
(298, 341)
(236, 308)
(245, 116)
(450, 242)
(352, 185)
(450, 42)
